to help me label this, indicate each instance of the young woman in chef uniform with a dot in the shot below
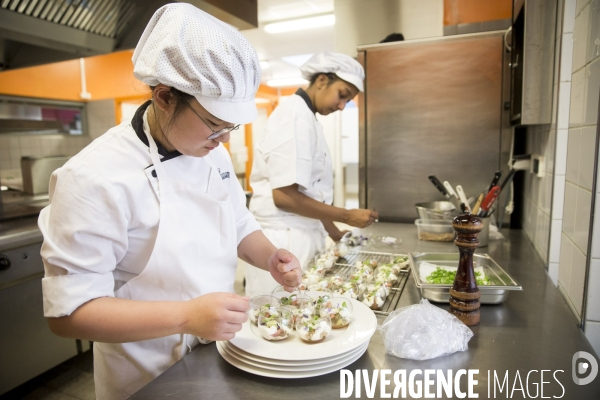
(145, 225)
(292, 174)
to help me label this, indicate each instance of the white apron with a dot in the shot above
(195, 253)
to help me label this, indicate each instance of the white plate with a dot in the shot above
(296, 368)
(286, 374)
(339, 341)
(270, 361)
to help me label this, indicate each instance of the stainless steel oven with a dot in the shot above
(27, 346)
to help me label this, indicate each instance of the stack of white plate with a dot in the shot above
(293, 358)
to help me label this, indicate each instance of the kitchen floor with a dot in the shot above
(71, 380)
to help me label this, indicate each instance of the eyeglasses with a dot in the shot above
(215, 134)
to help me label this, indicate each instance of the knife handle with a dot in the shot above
(477, 204)
(496, 179)
(438, 185)
(490, 199)
(450, 189)
(463, 197)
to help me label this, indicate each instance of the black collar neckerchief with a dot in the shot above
(137, 123)
(300, 92)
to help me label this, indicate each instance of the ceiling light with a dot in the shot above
(302, 23)
(297, 60)
(283, 82)
(264, 64)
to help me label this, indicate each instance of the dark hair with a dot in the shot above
(331, 77)
(393, 37)
(181, 103)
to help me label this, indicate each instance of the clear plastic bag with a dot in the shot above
(423, 331)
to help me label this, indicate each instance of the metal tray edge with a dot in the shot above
(421, 285)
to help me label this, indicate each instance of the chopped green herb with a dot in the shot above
(442, 276)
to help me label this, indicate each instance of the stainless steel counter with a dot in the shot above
(533, 330)
(19, 232)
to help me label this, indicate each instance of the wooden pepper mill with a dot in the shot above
(464, 293)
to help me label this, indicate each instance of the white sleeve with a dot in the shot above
(85, 236)
(288, 149)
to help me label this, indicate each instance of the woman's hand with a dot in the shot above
(360, 218)
(285, 269)
(216, 316)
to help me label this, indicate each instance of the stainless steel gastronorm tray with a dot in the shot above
(502, 282)
(343, 267)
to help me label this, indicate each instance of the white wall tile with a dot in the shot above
(547, 199)
(566, 60)
(553, 273)
(550, 152)
(573, 151)
(530, 223)
(566, 262)
(580, 38)
(538, 234)
(581, 232)
(14, 144)
(560, 158)
(592, 333)
(577, 98)
(596, 231)
(555, 236)
(586, 157)
(534, 188)
(577, 283)
(569, 16)
(544, 224)
(100, 117)
(564, 101)
(593, 50)
(592, 92)
(593, 292)
(570, 208)
(580, 5)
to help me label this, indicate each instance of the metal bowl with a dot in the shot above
(436, 210)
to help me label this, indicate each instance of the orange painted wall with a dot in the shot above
(469, 11)
(108, 76)
(51, 81)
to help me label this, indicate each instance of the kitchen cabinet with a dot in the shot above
(532, 61)
(430, 106)
(27, 346)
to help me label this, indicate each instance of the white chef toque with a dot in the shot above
(344, 66)
(185, 48)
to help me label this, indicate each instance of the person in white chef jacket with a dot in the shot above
(145, 225)
(292, 173)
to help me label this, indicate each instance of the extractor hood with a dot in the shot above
(34, 32)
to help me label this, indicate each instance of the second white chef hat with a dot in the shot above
(344, 66)
(185, 48)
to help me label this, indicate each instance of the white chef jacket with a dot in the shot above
(100, 227)
(292, 151)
